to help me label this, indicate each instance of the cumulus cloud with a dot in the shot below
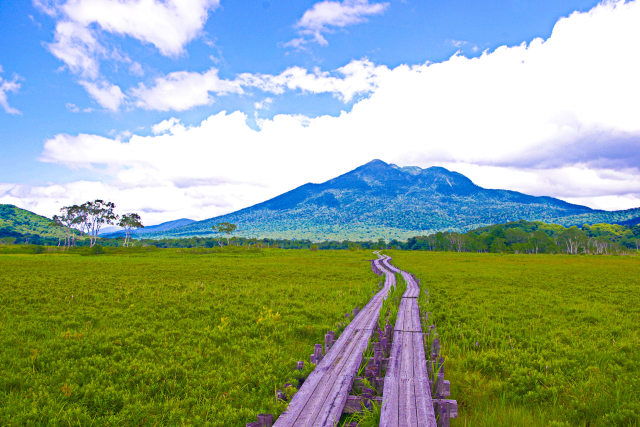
(80, 44)
(327, 14)
(553, 117)
(8, 86)
(78, 48)
(104, 93)
(166, 126)
(167, 25)
(183, 90)
(357, 77)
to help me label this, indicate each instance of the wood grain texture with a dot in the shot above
(407, 395)
(322, 397)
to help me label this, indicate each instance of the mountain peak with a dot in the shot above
(379, 199)
(373, 165)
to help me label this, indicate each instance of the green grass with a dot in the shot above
(536, 340)
(166, 337)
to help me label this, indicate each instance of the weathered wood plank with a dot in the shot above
(407, 397)
(322, 397)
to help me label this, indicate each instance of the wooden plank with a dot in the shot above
(334, 382)
(323, 395)
(405, 395)
(424, 405)
(406, 379)
(389, 411)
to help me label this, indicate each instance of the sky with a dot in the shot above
(197, 108)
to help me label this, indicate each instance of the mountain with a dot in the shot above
(16, 222)
(380, 200)
(111, 232)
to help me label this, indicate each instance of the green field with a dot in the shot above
(536, 340)
(206, 336)
(166, 337)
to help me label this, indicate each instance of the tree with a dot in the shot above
(573, 239)
(541, 241)
(94, 215)
(226, 228)
(71, 216)
(129, 222)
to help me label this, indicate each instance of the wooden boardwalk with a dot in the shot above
(322, 397)
(406, 399)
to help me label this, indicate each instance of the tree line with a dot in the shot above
(88, 219)
(533, 238)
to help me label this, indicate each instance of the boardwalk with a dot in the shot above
(322, 397)
(406, 399)
(407, 393)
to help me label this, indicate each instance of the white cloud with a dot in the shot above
(168, 25)
(80, 44)
(166, 126)
(555, 117)
(183, 90)
(462, 44)
(106, 94)
(264, 104)
(327, 14)
(357, 77)
(78, 48)
(8, 86)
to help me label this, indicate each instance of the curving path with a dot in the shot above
(322, 397)
(406, 399)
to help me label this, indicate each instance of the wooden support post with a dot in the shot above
(327, 343)
(318, 352)
(435, 349)
(388, 331)
(445, 409)
(442, 413)
(367, 396)
(354, 404)
(442, 386)
(329, 339)
(265, 420)
(378, 354)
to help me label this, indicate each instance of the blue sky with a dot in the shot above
(197, 108)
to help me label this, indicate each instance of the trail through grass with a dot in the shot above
(536, 340)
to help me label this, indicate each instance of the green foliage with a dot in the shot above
(391, 304)
(532, 237)
(22, 224)
(143, 336)
(535, 341)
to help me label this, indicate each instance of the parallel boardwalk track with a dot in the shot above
(407, 391)
(322, 397)
(406, 399)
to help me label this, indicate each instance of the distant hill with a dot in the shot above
(16, 222)
(142, 232)
(380, 200)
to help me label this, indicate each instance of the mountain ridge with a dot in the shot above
(380, 200)
(162, 227)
